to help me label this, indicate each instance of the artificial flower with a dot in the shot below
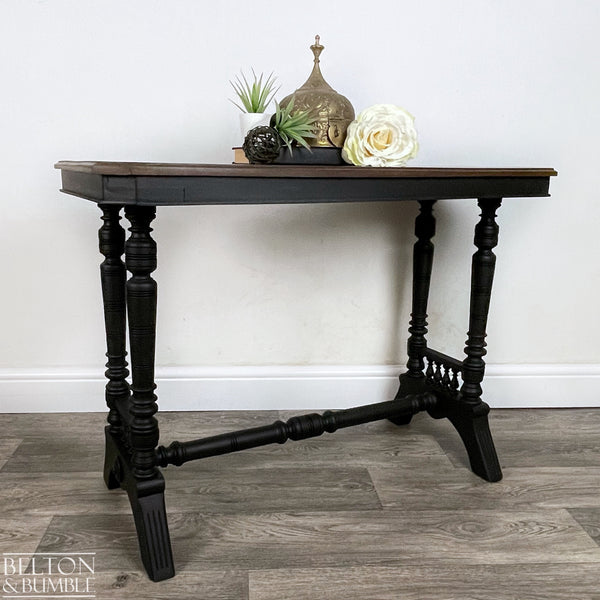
(382, 135)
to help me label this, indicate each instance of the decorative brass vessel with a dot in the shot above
(333, 112)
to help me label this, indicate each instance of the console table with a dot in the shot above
(444, 386)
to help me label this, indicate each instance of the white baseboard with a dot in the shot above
(292, 388)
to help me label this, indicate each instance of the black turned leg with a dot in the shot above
(470, 417)
(140, 259)
(411, 382)
(144, 483)
(112, 271)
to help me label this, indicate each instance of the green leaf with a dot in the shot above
(293, 126)
(255, 96)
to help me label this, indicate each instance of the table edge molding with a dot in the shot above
(135, 169)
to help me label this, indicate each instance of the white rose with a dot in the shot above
(382, 135)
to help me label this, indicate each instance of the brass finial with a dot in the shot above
(317, 48)
(333, 111)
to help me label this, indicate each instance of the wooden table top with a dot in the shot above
(175, 184)
(270, 171)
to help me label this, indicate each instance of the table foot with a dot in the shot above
(150, 516)
(477, 438)
(469, 420)
(146, 497)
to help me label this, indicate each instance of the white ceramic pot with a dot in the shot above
(249, 121)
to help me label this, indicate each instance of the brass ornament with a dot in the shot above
(333, 112)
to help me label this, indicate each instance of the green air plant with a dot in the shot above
(255, 96)
(293, 126)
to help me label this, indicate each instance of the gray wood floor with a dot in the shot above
(374, 512)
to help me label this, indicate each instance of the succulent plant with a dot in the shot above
(255, 96)
(293, 126)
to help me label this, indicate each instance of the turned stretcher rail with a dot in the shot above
(296, 428)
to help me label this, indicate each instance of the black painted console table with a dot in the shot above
(442, 385)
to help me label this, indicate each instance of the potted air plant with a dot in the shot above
(253, 99)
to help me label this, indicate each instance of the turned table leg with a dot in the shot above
(113, 275)
(471, 415)
(412, 381)
(144, 482)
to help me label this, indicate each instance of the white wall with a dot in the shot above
(512, 83)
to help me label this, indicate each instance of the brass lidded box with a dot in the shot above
(333, 112)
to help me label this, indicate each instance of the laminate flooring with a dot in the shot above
(375, 512)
